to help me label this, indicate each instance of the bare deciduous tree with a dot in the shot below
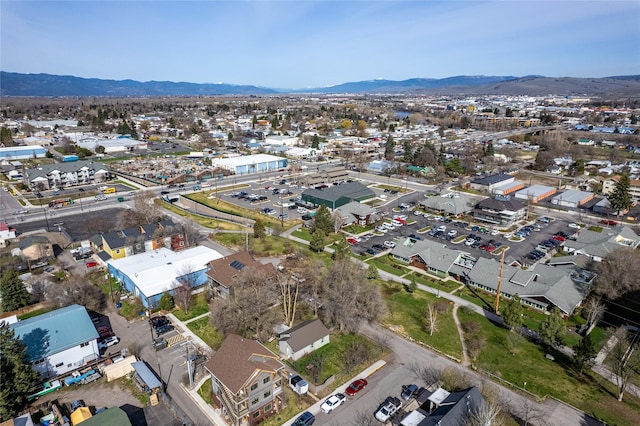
(618, 272)
(144, 202)
(289, 289)
(76, 290)
(183, 293)
(623, 362)
(486, 414)
(430, 375)
(431, 314)
(594, 310)
(365, 418)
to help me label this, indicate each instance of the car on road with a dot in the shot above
(388, 408)
(109, 341)
(164, 192)
(608, 222)
(21, 211)
(305, 419)
(333, 402)
(574, 226)
(355, 387)
(81, 189)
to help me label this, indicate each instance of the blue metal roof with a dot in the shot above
(55, 331)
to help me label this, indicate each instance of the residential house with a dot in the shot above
(59, 341)
(432, 257)
(139, 239)
(356, 213)
(246, 380)
(503, 211)
(150, 274)
(303, 339)
(35, 248)
(597, 245)
(7, 234)
(222, 272)
(442, 408)
(61, 175)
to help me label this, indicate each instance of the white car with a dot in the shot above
(109, 341)
(452, 233)
(441, 228)
(381, 229)
(389, 244)
(574, 226)
(333, 402)
(302, 210)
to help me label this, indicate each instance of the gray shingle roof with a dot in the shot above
(304, 334)
(354, 190)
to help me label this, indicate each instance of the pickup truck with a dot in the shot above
(388, 408)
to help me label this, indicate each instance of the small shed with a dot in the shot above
(145, 379)
(303, 339)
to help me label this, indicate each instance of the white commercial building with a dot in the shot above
(247, 164)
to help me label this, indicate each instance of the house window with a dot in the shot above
(181, 243)
(82, 345)
(256, 414)
(267, 394)
(254, 386)
(266, 380)
(267, 408)
(254, 401)
(59, 364)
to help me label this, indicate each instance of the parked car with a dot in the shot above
(452, 233)
(388, 408)
(305, 419)
(333, 402)
(160, 343)
(158, 320)
(91, 264)
(574, 226)
(355, 387)
(372, 252)
(164, 329)
(389, 244)
(408, 391)
(378, 247)
(381, 229)
(109, 341)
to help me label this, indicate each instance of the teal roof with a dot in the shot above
(55, 331)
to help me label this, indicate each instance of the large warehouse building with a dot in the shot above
(338, 195)
(148, 275)
(22, 152)
(247, 164)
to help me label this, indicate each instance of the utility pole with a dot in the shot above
(497, 306)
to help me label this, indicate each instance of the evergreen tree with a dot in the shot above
(489, 150)
(6, 137)
(259, 230)
(166, 302)
(412, 286)
(512, 313)
(620, 198)
(584, 353)
(315, 142)
(275, 123)
(317, 240)
(18, 379)
(454, 167)
(341, 250)
(12, 291)
(441, 155)
(552, 328)
(372, 272)
(389, 148)
(408, 152)
(323, 220)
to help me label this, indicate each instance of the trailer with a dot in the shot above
(91, 378)
(76, 377)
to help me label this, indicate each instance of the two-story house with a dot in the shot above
(59, 341)
(246, 380)
(222, 272)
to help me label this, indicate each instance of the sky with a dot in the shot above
(294, 44)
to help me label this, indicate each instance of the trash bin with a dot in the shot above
(118, 305)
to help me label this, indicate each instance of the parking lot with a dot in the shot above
(476, 239)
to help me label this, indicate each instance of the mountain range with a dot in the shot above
(47, 85)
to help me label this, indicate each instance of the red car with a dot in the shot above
(352, 241)
(355, 387)
(608, 222)
(91, 264)
(559, 238)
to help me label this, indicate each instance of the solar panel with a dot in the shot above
(237, 265)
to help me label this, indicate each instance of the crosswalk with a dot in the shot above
(178, 338)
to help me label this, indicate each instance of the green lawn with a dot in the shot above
(198, 307)
(205, 391)
(208, 333)
(202, 220)
(545, 377)
(407, 315)
(333, 355)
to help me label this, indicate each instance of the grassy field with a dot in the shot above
(407, 316)
(204, 221)
(198, 307)
(333, 356)
(208, 333)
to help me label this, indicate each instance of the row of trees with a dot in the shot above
(340, 295)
